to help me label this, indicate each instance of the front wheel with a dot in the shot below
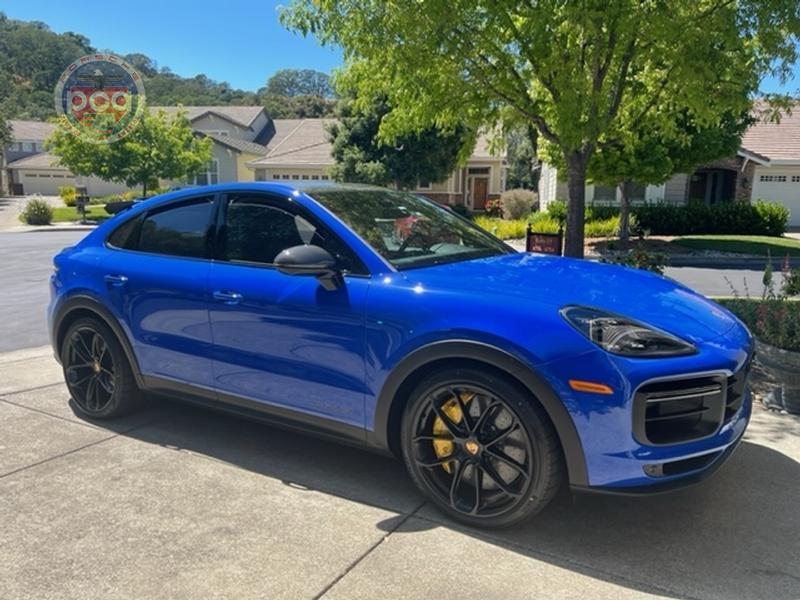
(97, 372)
(480, 448)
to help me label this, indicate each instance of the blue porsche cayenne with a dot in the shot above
(380, 318)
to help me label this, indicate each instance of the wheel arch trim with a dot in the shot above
(86, 303)
(499, 359)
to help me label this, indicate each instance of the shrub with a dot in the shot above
(601, 213)
(640, 258)
(504, 229)
(517, 204)
(68, 194)
(544, 223)
(761, 218)
(558, 211)
(775, 322)
(791, 283)
(773, 217)
(605, 228)
(37, 212)
(493, 208)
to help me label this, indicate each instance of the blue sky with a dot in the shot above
(237, 41)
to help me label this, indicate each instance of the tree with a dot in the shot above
(522, 144)
(5, 138)
(649, 151)
(159, 147)
(428, 155)
(299, 82)
(298, 107)
(568, 68)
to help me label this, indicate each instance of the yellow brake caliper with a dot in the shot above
(444, 448)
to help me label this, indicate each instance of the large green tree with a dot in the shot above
(650, 150)
(361, 156)
(159, 147)
(299, 82)
(5, 139)
(298, 94)
(569, 68)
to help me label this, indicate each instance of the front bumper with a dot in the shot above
(619, 458)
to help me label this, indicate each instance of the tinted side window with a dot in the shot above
(126, 235)
(256, 231)
(179, 231)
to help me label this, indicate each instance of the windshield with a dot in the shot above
(408, 230)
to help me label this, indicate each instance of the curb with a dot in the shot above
(52, 228)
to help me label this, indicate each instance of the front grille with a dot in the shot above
(679, 410)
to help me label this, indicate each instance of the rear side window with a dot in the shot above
(181, 230)
(126, 235)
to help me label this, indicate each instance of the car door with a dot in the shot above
(283, 341)
(157, 276)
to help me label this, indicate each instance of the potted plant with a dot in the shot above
(774, 320)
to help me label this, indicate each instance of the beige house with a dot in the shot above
(766, 166)
(300, 150)
(248, 145)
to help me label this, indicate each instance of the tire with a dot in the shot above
(496, 468)
(97, 372)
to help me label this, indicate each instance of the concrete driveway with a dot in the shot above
(178, 502)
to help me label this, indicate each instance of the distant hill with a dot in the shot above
(32, 58)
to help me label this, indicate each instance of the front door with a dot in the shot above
(480, 193)
(281, 340)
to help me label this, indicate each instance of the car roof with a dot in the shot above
(306, 187)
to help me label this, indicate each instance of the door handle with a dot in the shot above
(116, 280)
(227, 297)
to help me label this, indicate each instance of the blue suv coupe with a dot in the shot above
(383, 319)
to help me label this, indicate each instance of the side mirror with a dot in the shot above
(310, 260)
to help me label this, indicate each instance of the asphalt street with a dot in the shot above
(26, 265)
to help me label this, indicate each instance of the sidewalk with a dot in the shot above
(179, 502)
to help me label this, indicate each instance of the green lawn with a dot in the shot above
(759, 245)
(68, 214)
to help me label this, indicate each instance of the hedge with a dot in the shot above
(759, 218)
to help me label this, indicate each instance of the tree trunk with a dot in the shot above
(144, 189)
(576, 205)
(624, 210)
(534, 170)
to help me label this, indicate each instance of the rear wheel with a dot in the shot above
(97, 372)
(480, 448)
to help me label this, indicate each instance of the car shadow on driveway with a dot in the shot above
(736, 535)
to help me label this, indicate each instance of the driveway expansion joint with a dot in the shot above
(402, 521)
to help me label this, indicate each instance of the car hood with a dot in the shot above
(555, 281)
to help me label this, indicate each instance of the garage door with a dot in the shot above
(783, 188)
(42, 182)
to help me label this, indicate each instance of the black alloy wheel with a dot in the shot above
(97, 372)
(480, 448)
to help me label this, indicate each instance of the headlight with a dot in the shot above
(623, 336)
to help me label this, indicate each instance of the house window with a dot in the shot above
(305, 176)
(424, 185)
(605, 193)
(315, 177)
(795, 178)
(295, 176)
(479, 170)
(286, 176)
(261, 175)
(210, 176)
(774, 178)
(324, 178)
